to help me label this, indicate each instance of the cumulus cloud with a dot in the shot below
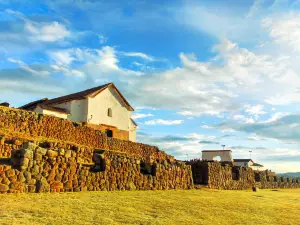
(27, 68)
(138, 54)
(141, 115)
(284, 29)
(285, 128)
(209, 142)
(163, 122)
(255, 110)
(47, 32)
(41, 31)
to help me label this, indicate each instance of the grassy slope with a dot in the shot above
(153, 207)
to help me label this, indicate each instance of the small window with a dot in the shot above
(235, 173)
(109, 112)
(147, 169)
(99, 161)
(257, 177)
(109, 133)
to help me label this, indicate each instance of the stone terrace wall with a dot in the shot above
(220, 177)
(55, 167)
(228, 177)
(30, 124)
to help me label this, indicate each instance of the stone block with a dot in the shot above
(51, 153)
(4, 188)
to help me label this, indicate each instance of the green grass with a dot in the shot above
(153, 207)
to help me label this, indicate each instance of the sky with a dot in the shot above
(200, 74)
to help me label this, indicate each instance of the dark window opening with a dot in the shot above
(257, 177)
(98, 159)
(147, 169)
(109, 112)
(235, 173)
(109, 133)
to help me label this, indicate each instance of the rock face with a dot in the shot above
(92, 162)
(227, 177)
(31, 124)
(54, 167)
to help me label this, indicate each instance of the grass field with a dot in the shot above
(153, 207)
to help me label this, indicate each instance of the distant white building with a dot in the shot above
(217, 155)
(248, 163)
(226, 156)
(103, 108)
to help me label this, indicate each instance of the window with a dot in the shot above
(109, 133)
(109, 112)
(147, 169)
(235, 173)
(98, 159)
(257, 177)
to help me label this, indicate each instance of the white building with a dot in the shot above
(217, 155)
(247, 163)
(103, 108)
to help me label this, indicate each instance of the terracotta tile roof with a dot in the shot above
(242, 160)
(258, 165)
(78, 95)
(32, 105)
(92, 92)
(133, 122)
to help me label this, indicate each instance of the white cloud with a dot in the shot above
(27, 68)
(207, 127)
(284, 29)
(255, 110)
(163, 122)
(94, 63)
(47, 32)
(63, 57)
(138, 54)
(185, 113)
(141, 115)
(276, 117)
(102, 39)
(216, 86)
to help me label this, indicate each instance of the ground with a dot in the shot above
(203, 206)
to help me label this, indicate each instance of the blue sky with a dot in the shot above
(198, 73)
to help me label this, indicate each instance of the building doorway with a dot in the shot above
(109, 133)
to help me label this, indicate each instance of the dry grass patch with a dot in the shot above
(153, 207)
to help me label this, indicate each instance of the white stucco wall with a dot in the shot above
(51, 113)
(98, 107)
(132, 131)
(226, 156)
(78, 109)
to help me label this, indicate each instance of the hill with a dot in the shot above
(293, 175)
(205, 206)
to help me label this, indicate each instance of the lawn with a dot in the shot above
(153, 207)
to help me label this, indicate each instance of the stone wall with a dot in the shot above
(228, 177)
(31, 125)
(117, 133)
(57, 167)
